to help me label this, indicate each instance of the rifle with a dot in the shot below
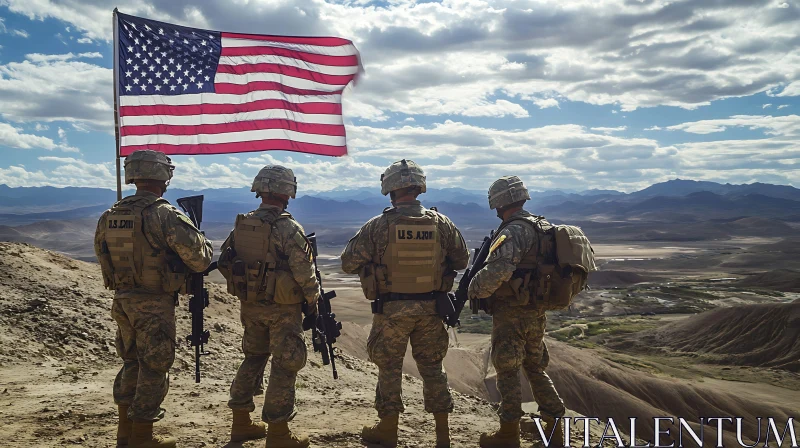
(326, 329)
(461, 296)
(193, 206)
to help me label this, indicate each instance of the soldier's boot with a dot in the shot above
(244, 428)
(557, 440)
(384, 433)
(280, 436)
(142, 437)
(442, 431)
(505, 437)
(123, 426)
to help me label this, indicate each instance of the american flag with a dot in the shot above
(191, 91)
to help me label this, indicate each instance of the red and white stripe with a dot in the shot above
(272, 93)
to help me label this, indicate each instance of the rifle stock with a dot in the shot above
(326, 329)
(198, 302)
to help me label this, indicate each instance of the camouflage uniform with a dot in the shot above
(404, 320)
(145, 337)
(518, 331)
(274, 329)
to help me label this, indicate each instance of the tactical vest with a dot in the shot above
(414, 257)
(128, 261)
(258, 272)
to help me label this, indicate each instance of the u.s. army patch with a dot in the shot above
(303, 243)
(497, 243)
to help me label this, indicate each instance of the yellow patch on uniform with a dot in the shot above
(497, 243)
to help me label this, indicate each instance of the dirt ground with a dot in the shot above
(57, 360)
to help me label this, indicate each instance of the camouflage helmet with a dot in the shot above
(148, 165)
(275, 179)
(507, 190)
(402, 174)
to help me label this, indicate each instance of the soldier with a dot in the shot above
(518, 327)
(406, 258)
(146, 248)
(268, 264)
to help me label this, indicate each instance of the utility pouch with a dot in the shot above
(444, 305)
(238, 280)
(106, 267)
(520, 285)
(173, 278)
(253, 276)
(369, 283)
(381, 278)
(287, 290)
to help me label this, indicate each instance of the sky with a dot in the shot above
(579, 94)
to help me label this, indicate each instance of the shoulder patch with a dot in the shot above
(303, 243)
(498, 242)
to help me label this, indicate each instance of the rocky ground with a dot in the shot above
(57, 364)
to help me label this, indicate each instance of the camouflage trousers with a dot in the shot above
(146, 343)
(276, 330)
(386, 346)
(518, 342)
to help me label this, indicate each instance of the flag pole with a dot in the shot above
(116, 100)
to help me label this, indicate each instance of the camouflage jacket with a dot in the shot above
(373, 237)
(283, 237)
(166, 229)
(520, 239)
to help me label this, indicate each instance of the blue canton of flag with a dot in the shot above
(157, 58)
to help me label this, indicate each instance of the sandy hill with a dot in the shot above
(780, 280)
(57, 365)
(766, 335)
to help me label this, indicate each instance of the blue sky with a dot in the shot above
(581, 94)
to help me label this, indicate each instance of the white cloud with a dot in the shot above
(457, 57)
(783, 106)
(653, 128)
(16, 138)
(47, 88)
(786, 126)
(783, 5)
(544, 103)
(84, 40)
(792, 89)
(766, 106)
(43, 58)
(606, 130)
(20, 33)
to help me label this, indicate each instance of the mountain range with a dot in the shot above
(659, 210)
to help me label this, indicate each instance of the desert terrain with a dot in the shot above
(689, 315)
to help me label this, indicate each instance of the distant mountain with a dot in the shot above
(676, 201)
(681, 187)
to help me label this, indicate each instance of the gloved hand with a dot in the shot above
(310, 321)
